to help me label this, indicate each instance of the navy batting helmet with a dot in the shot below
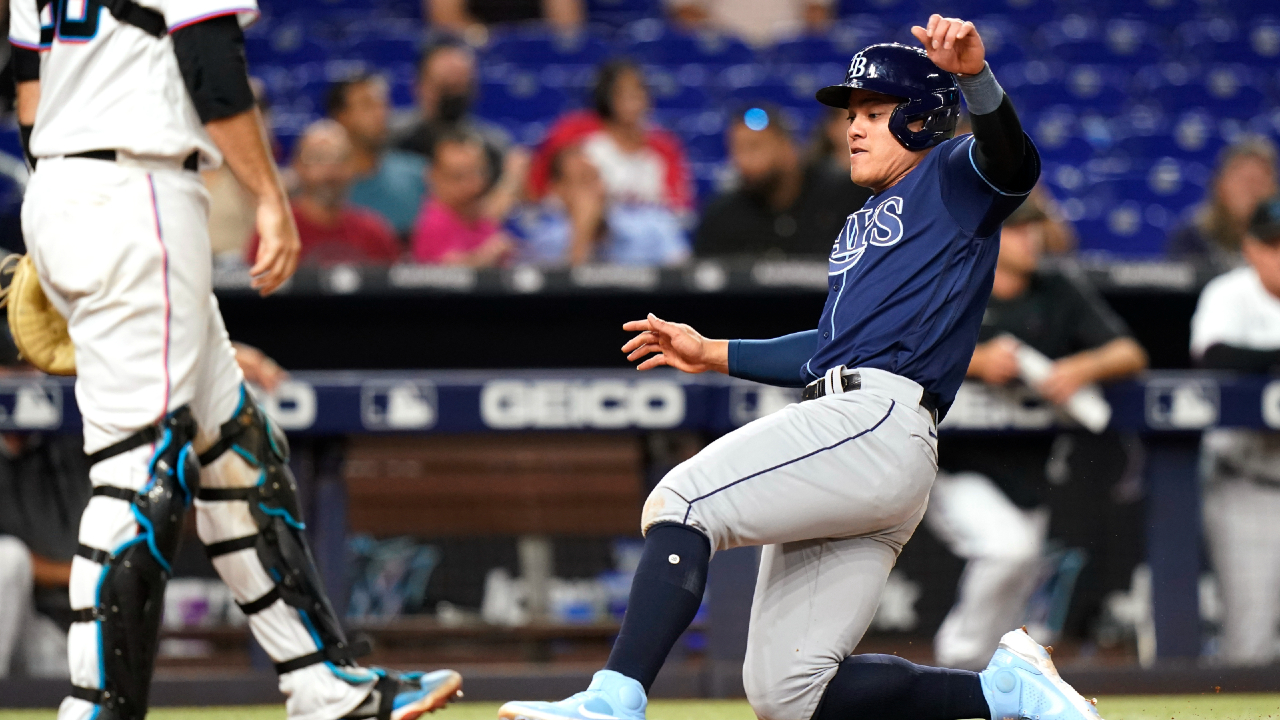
(928, 92)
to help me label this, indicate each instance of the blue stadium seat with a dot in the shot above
(651, 42)
(1188, 145)
(809, 49)
(705, 148)
(751, 83)
(539, 47)
(617, 13)
(384, 50)
(1003, 39)
(683, 88)
(522, 97)
(1224, 40)
(1072, 150)
(288, 45)
(1223, 90)
(1091, 87)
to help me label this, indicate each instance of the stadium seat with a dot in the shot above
(286, 45)
(1003, 39)
(682, 88)
(616, 13)
(751, 84)
(809, 49)
(652, 42)
(384, 50)
(522, 97)
(1223, 90)
(538, 47)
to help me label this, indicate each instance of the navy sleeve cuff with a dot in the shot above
(773, 362)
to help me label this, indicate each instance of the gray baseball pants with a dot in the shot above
(832, 488)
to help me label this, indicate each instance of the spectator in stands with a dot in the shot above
(781, 207)
(464, 16)
(446, 91)
(569, 224)
(388, 181)
(759, 22)
(989, 502)
(1236, 326)
(829, 146)
(332, 230)
(1245, 175)
(452, 228)
(645, 173)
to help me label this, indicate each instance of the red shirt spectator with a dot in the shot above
(619, 128)
(359, 236)
(331, 230)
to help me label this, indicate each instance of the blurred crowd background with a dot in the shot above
(559, 133)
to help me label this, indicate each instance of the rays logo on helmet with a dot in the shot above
(858, 67)
(880, 226)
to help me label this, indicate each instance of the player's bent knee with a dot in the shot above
(790, 693)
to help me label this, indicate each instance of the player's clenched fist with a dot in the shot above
(953, 44)
(676, 345)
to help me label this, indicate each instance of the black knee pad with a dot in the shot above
(280, 542)
(130, 596)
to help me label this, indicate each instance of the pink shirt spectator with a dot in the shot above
(440, 234)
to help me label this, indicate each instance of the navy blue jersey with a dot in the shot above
(911, 272)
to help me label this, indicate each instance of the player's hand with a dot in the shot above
(259, 369)
(995, 362)
(953, 44)
(676, 345)
(278, 246)
(1067, 376)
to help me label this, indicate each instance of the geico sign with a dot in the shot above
(512, 404)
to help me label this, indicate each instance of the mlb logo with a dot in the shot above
(31, 406)
(398, 405)
(1182, 404)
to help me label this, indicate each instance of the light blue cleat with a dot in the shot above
(1021, 683)
(611, 696)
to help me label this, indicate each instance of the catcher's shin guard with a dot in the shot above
(130, 592)
(280, 541)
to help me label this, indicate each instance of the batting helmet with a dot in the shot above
(928, 92)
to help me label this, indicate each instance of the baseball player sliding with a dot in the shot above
(127, 102)
(833, 486)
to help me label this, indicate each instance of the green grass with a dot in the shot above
(1177, 707)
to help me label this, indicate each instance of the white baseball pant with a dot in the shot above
(832, 488)
(122, 250)
(1002, 544)
(1244, 544)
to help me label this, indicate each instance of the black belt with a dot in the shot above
(192, 161)
(853, 381)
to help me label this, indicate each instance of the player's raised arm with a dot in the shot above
(773, 362)
(211, 57)
(1002, 152)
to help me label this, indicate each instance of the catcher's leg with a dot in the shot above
(249, 520)
(128, 535)
(118, 251)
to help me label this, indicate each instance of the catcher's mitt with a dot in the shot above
(38, 330)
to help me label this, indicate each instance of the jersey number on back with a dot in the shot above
(76, 20)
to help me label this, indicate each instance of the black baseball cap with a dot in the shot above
(1265, 225)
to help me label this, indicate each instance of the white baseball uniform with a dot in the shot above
(1242, 476)
(122, 250)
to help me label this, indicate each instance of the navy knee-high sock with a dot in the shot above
(665, 596)
(886, 687)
